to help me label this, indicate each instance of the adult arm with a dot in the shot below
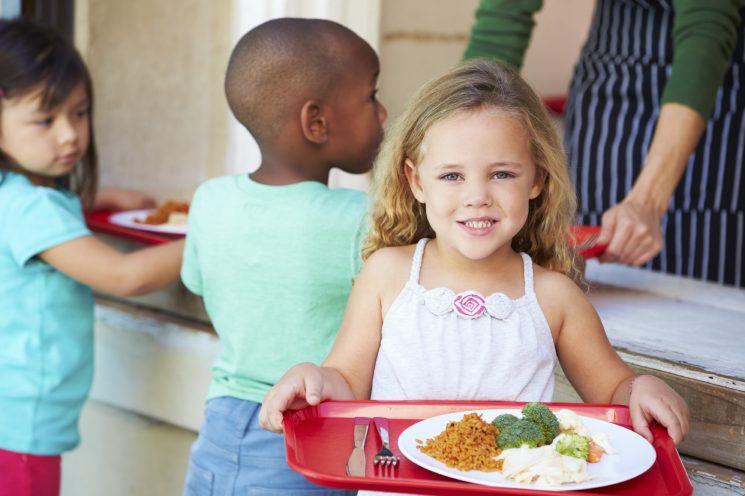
(502, 30)
(704, 35)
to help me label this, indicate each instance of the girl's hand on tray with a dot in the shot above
(653, 400)
(296, 389)
(303, 385)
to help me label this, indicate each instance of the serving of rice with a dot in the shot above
(469, 444)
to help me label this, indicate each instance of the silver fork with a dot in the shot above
(587, 243)
(385, 456)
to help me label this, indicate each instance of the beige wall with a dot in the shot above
(561, 29)
(160, 115)
(161, 120)
(418, 44)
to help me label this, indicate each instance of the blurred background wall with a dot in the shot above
(162, 124)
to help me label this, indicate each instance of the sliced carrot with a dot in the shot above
(595, 453)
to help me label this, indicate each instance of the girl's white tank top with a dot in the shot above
(436, 344)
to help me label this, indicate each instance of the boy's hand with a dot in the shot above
(301, 386)
(652, 399)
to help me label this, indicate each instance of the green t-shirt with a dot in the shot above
(704, 36)
(274, 265)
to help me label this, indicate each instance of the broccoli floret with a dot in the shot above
(518, 433)
(502, 421)
(539, 414)
(573, 445)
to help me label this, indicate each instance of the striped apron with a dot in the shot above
(611, 113)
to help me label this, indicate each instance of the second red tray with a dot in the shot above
(319, 439)
(584, 237)
(98, 221)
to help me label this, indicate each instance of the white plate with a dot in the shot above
(127, 219)
(635, 455)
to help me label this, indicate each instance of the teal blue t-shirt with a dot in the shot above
(274, 265)
(46, 321)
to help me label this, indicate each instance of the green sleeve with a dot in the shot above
(704, 36)
(502, 30)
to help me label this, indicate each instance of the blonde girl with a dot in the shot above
(49, 261)
(467, 290)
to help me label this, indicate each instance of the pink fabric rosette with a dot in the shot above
(469, 304)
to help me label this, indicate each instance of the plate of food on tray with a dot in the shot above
(170, 218)
(532, 447)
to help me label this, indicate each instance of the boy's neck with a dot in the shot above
(282, 173)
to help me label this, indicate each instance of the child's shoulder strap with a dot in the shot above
(416, 260)
(527, 273)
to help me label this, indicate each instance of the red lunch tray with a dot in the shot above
(583, 234)
(319, 439)
(555, 103)
(98, 221)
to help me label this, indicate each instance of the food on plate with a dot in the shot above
(570, 423)
(542, 466)
(595, 454)
(539, 447)
(544, 418)
(467, 444)
(171, 213)
(502, 421)
(538, 426)
(601, 440)
(521, 432)
(572, 445)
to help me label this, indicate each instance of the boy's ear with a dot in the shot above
(313, 122)
(538, 183)
(415, 182)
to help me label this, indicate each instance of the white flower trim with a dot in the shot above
(499, 306)
(441, 301)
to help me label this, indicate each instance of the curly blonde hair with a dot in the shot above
(397, 218)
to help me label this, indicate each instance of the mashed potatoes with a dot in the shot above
(570, 423)
(542, 466)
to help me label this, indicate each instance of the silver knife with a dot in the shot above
(356, 461)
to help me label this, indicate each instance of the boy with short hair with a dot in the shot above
(273, 253)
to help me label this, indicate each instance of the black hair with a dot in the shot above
(280, 62)
(34, 57)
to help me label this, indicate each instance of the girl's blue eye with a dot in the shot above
(503, 175)
(452, 176)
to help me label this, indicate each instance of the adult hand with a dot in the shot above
(633, 233)
(632, 229)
